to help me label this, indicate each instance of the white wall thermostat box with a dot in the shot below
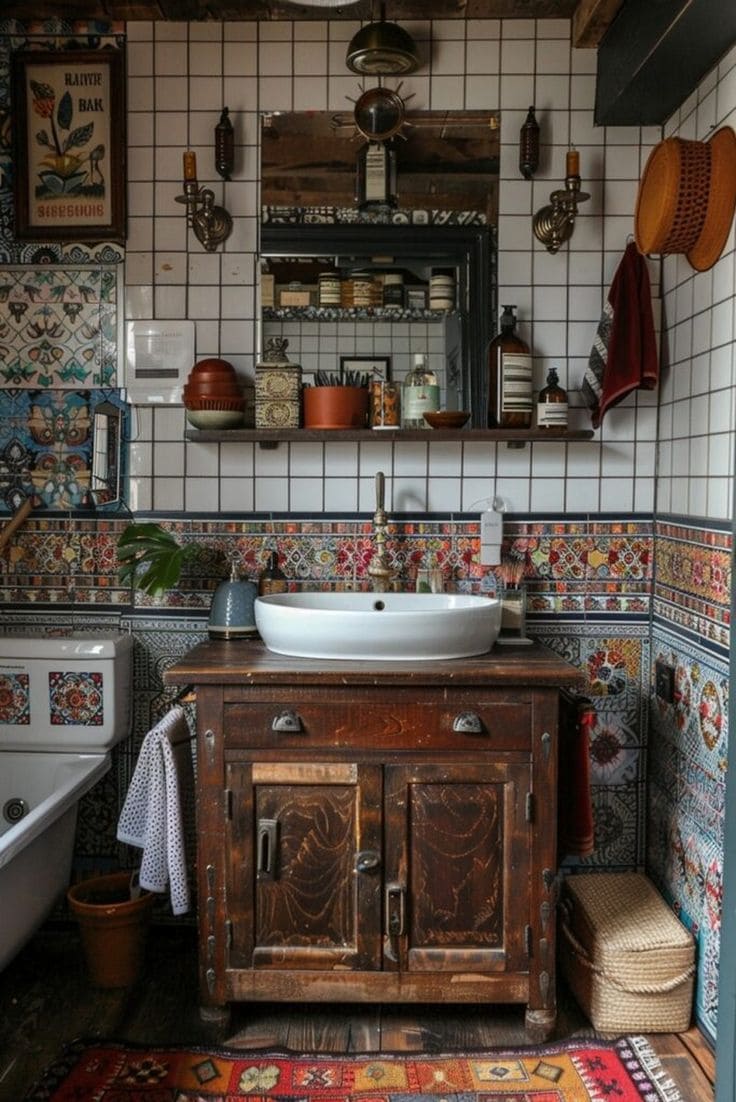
(158, 357)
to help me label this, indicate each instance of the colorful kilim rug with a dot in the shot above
(626, 1070)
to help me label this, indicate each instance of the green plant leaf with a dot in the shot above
(151, 559)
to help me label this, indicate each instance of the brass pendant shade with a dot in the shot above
(382, 48)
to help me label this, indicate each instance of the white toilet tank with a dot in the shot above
(69, 693)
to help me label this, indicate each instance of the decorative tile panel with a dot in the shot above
(686, 805)
(76, 698)
(692, 586)
(46, 445)
(15, 705)
(59, 326)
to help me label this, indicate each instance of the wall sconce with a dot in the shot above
(553, 224)
(529, 146)
(211, 224)
(224, 145)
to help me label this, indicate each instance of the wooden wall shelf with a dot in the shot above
(273, 437)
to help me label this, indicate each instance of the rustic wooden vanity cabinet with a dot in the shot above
(376, 832)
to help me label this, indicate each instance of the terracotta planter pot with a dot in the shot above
(335, 407)
(113, 928)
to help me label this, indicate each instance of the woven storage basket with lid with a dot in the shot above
(628, 960)
(686, 199)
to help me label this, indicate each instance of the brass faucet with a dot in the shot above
(379, 570)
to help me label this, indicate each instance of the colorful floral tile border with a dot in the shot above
(59, 327)
(692, 583)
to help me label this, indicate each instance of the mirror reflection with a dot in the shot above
(382, 247)
(107, 423)
(446, 164)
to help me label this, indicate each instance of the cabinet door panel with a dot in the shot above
(310, 906)
(457, 844)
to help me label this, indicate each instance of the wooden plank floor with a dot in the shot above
(46, 1001)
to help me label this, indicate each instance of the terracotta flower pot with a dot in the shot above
(335, 407)
(113, 928)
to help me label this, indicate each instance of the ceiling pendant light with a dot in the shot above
(382, 48)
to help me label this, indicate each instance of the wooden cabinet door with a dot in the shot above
(457, 892)
(305, 865)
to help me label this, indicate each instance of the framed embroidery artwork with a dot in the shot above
(69, 145)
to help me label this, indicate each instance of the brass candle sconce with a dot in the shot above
(553, 224)
(212, 224)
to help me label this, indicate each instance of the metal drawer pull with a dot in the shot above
(395, 909)
(367, 861)
(266, 843)
(286, 721)
(467, 723)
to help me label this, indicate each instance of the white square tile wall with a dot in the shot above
(179, 77)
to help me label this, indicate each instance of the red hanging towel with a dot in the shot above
(624, 354)
(574, 798)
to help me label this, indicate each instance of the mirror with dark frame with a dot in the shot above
(440, 221)
(107, 438)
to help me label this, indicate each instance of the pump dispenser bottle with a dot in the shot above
(552, 404)
(272, 578)
(420, 395)
(510, 395)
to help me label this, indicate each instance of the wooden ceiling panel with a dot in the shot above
(198, 10)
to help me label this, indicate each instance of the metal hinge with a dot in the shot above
(529, 808)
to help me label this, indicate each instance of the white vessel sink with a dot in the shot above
(376, 626)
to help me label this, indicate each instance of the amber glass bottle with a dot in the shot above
(552, 404)
(510, 397)
(272, 578)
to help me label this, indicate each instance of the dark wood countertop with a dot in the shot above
(249, 662)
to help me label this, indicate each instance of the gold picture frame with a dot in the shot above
(69, 145)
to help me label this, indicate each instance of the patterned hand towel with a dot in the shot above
(151, 818)
(624, 353)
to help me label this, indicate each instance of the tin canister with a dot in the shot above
(385, 410)
(363, 292)
(329, 289)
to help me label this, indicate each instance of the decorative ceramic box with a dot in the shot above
(278, 388)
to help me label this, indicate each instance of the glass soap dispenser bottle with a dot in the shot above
(420, 394)
(552, 404)
(272, 578)
(510, 395)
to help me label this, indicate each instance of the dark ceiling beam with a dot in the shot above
(591, 20)
(215, 10)
(653, 55)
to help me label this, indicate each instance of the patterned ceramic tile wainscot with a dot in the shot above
(59, 327)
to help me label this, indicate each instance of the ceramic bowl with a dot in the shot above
(211, 377)
(215, 418)
(220, 387)
(447, 419)
(213, 364)
(215, 403)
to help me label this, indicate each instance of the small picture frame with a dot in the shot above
(377, 368)
(69, 145)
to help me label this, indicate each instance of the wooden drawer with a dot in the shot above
(453, 722)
